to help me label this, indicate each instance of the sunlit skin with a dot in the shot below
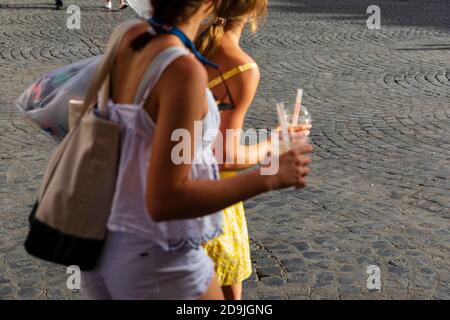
(243, 89)
(176, 102)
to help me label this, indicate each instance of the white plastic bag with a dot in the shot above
(142, 7)
(46, 101)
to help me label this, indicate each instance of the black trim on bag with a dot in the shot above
(47, 243)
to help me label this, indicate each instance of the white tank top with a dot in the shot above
(129, 211)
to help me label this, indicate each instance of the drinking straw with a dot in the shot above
(283, 124)
(298, 105)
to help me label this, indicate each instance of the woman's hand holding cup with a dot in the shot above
(293, 166)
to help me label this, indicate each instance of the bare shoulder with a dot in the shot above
(188, 70)
(230, 59)
(244, 85)
(138, 29)
(135, 30)
(253, 73)
(183, 82)
(246, 79)
(229, 55)
(132, 33)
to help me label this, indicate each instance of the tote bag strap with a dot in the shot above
(98, 84)
(100, 79)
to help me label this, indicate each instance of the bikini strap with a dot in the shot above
(232, 73)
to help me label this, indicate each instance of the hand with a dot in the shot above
(298, 134)
(293, 168)
(302, 130)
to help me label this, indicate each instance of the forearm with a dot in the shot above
(197, 198)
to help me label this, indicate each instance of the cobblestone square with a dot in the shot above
(379, 188)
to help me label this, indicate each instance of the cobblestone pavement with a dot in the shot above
(378, 193)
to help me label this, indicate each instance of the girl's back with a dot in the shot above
(129, 211)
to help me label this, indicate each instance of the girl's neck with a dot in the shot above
(235, 33)
(190, 29)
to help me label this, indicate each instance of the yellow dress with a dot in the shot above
(231, 250)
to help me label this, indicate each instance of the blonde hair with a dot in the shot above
(230, 13)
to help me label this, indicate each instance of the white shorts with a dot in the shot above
(138, 269)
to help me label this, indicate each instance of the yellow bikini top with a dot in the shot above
(232, 73)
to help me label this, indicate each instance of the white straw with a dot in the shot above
(283, 124)
(298, 105)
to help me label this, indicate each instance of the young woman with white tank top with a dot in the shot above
(163, 212)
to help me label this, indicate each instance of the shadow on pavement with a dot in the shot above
(408, 13)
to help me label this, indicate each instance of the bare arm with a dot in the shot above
(236, 155)
(170, 193)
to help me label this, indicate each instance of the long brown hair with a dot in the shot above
(229, 13)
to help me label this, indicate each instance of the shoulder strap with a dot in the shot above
(100, 79)
(155, 70)
(98, 85)
(232, 73)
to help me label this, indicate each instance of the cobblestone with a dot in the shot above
(378, 191)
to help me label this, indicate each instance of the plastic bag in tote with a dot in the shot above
(46, 101)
